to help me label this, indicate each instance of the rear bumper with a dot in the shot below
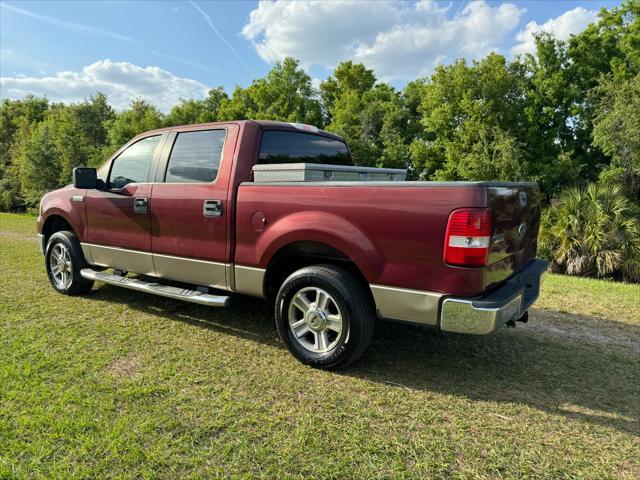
(486, 314)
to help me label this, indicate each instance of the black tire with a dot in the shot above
(65, 241)
(347, 295)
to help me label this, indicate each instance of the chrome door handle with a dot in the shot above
(212, 208)
(141, 205)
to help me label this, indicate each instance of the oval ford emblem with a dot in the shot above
(523, 199)
(522, 230)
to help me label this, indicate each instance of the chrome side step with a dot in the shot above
(193, 296)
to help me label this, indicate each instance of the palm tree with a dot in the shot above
(593, 231)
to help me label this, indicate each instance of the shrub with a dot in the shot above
(593, 232)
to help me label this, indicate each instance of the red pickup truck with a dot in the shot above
(176, 212)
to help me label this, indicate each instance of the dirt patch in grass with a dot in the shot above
(18, 236)
(580, 327)
(124, 368)
(630, 470)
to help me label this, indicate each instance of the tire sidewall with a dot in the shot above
(290, 287)
(77, 261)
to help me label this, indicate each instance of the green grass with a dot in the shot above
(586, 296)
(118, 384)
(18, 224)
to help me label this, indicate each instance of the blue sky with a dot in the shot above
(165, 50)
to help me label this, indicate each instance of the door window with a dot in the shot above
(132, 165)
(195, 157)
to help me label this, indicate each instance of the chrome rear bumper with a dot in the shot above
(486, 314)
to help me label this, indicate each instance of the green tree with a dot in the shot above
(472, 122)
(285, 94)
(611, 44)
(39, 164)
(616, 131)
(198, 111)
(241, 105)
(80, 133)
(347, 77)
(369, 115)
(556, 135)
(17, 118)
(140, 118)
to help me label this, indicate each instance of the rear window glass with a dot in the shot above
(293, 147)
(195, 157)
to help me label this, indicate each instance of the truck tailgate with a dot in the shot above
(515, 217)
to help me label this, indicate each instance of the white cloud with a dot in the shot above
(413, 49)
(317, 32)
(397, 40)
(120, 81)
(562, 27)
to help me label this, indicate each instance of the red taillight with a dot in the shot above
(466, 243)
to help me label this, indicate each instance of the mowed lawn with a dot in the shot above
(119, 384)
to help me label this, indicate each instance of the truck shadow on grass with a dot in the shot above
(587, 381)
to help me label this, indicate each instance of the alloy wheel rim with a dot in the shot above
(315, 320)
(61, 266)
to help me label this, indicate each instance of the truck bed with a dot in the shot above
(363, 220)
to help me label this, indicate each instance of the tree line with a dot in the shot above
(565, 117)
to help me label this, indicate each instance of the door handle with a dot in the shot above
(212, 208)
(141, 205)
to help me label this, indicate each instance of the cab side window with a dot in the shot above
(195, 157)
(132, 165)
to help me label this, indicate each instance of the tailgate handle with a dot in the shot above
(212, 208)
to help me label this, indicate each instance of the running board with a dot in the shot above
(193, 296)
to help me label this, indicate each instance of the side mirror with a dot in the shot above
(85, 177)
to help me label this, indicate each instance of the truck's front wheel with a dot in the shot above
(324, 316)
(64, 260)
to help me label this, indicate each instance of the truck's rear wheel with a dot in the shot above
(324, 316)
(64, 260)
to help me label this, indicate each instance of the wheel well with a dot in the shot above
(304, 254)
(53, 224)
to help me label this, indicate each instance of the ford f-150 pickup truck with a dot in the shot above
(176, 212)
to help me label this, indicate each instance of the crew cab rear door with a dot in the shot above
(190, 209)
(118, 221)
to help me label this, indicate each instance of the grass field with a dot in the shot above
(119, 384)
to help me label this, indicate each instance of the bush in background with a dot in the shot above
(593, 232)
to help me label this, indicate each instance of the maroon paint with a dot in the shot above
(394, 235)
(113, 222)
(178, 225)
(58, 203)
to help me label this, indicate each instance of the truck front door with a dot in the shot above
(119, 224)
(190, 215)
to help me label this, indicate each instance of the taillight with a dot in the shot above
(466, 243)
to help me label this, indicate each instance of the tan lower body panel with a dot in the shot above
(250, 280)
(121, 258)
(391, 302)
(236, 278)
(189, 270)
(407, 305)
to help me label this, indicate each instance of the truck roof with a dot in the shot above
(264, 124)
